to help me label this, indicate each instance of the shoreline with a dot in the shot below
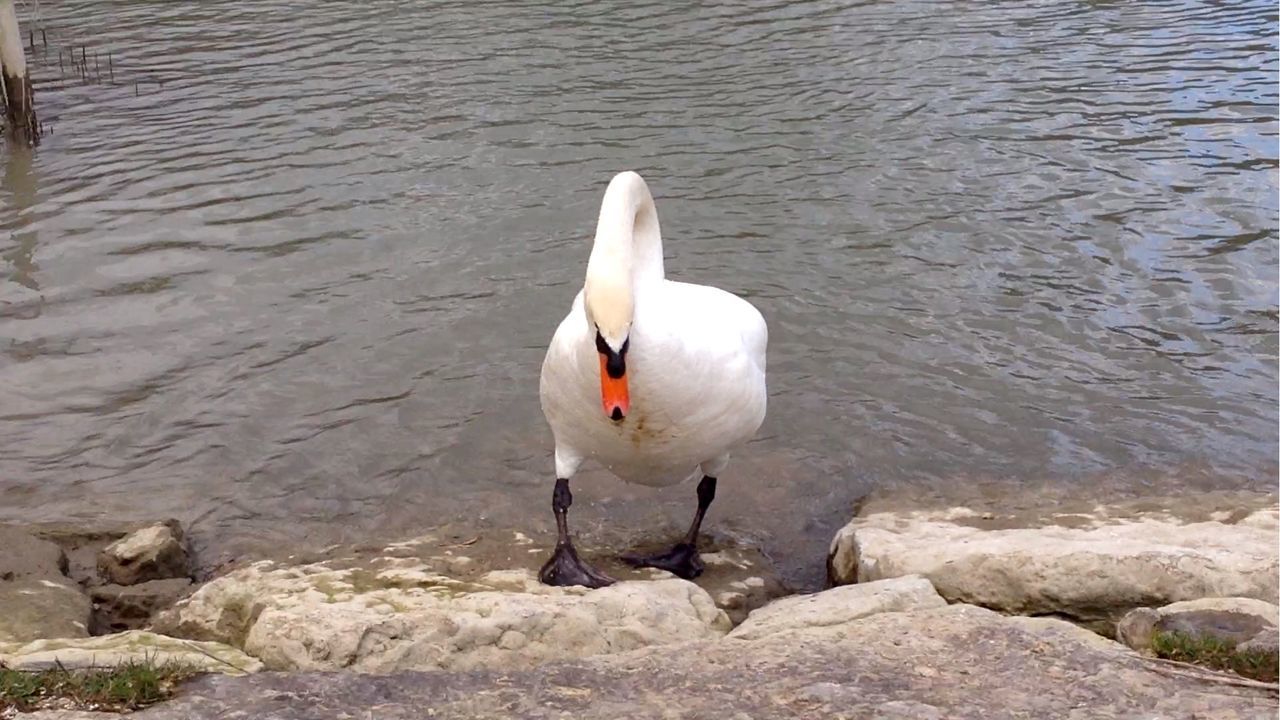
(456, 604)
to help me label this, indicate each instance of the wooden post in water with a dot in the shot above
(19, 100)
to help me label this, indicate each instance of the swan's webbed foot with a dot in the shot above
(566, 568)
(682, 560)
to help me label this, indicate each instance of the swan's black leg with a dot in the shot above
(565, 567)
(682, 560)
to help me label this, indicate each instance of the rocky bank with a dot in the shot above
(952, 612)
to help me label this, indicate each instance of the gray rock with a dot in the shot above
(955, 662)
(739, 580)
(1234, 620)
(117, 608)
(906, 710)
(398, 613)
(69, 715)
(1137, 627)
(1089, 568)
(839, 605)
(82, 543)
(22, 555)
(132, 646)
(36, 598)
(1267, 640)
(41, 607)
(155, 552)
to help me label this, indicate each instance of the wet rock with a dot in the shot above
(82, 543)
(738, 575)
(1233, 620)
(397, 613)
(41, 607)
(23, 555)
(738, 578)
(1090, 568)
(957, 662)
(839, 605)
(36, 598)
(132, 646)
(117, 608)
(155, 552)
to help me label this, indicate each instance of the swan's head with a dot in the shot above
(609, 311)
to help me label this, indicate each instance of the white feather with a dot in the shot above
(695, 370)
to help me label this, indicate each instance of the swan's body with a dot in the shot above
(696, 368)
(653, 379)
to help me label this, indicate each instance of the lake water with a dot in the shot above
(287, 273)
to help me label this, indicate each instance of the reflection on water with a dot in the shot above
(291, 277)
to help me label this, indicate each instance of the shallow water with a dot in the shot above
(290, 276)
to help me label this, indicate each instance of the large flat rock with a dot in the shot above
(1092, 566)
(37, 599)
(41, 607)
(398, 613)
(839, 605)
(134, 646)
(951, 662)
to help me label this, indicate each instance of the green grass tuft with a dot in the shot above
(1216, 653)
(128, 686)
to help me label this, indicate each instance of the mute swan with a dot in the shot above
(656, 380)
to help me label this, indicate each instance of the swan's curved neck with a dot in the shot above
(628, 244)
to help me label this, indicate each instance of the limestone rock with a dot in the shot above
(1092, 569)
(1234, 620)
(839, 605)
(132, 646)
(399, 613)
(117, 608)
(957, 662)
(155, 552)
(40, 607)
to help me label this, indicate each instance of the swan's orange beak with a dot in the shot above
(613, 391)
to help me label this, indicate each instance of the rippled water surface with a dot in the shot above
(289, 278)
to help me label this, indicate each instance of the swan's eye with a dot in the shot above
(615, 364)
(603, 346)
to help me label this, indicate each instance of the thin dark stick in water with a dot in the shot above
(44, 39)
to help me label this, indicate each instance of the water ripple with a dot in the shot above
(296, 267)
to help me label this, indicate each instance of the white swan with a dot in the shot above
(654, 379)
